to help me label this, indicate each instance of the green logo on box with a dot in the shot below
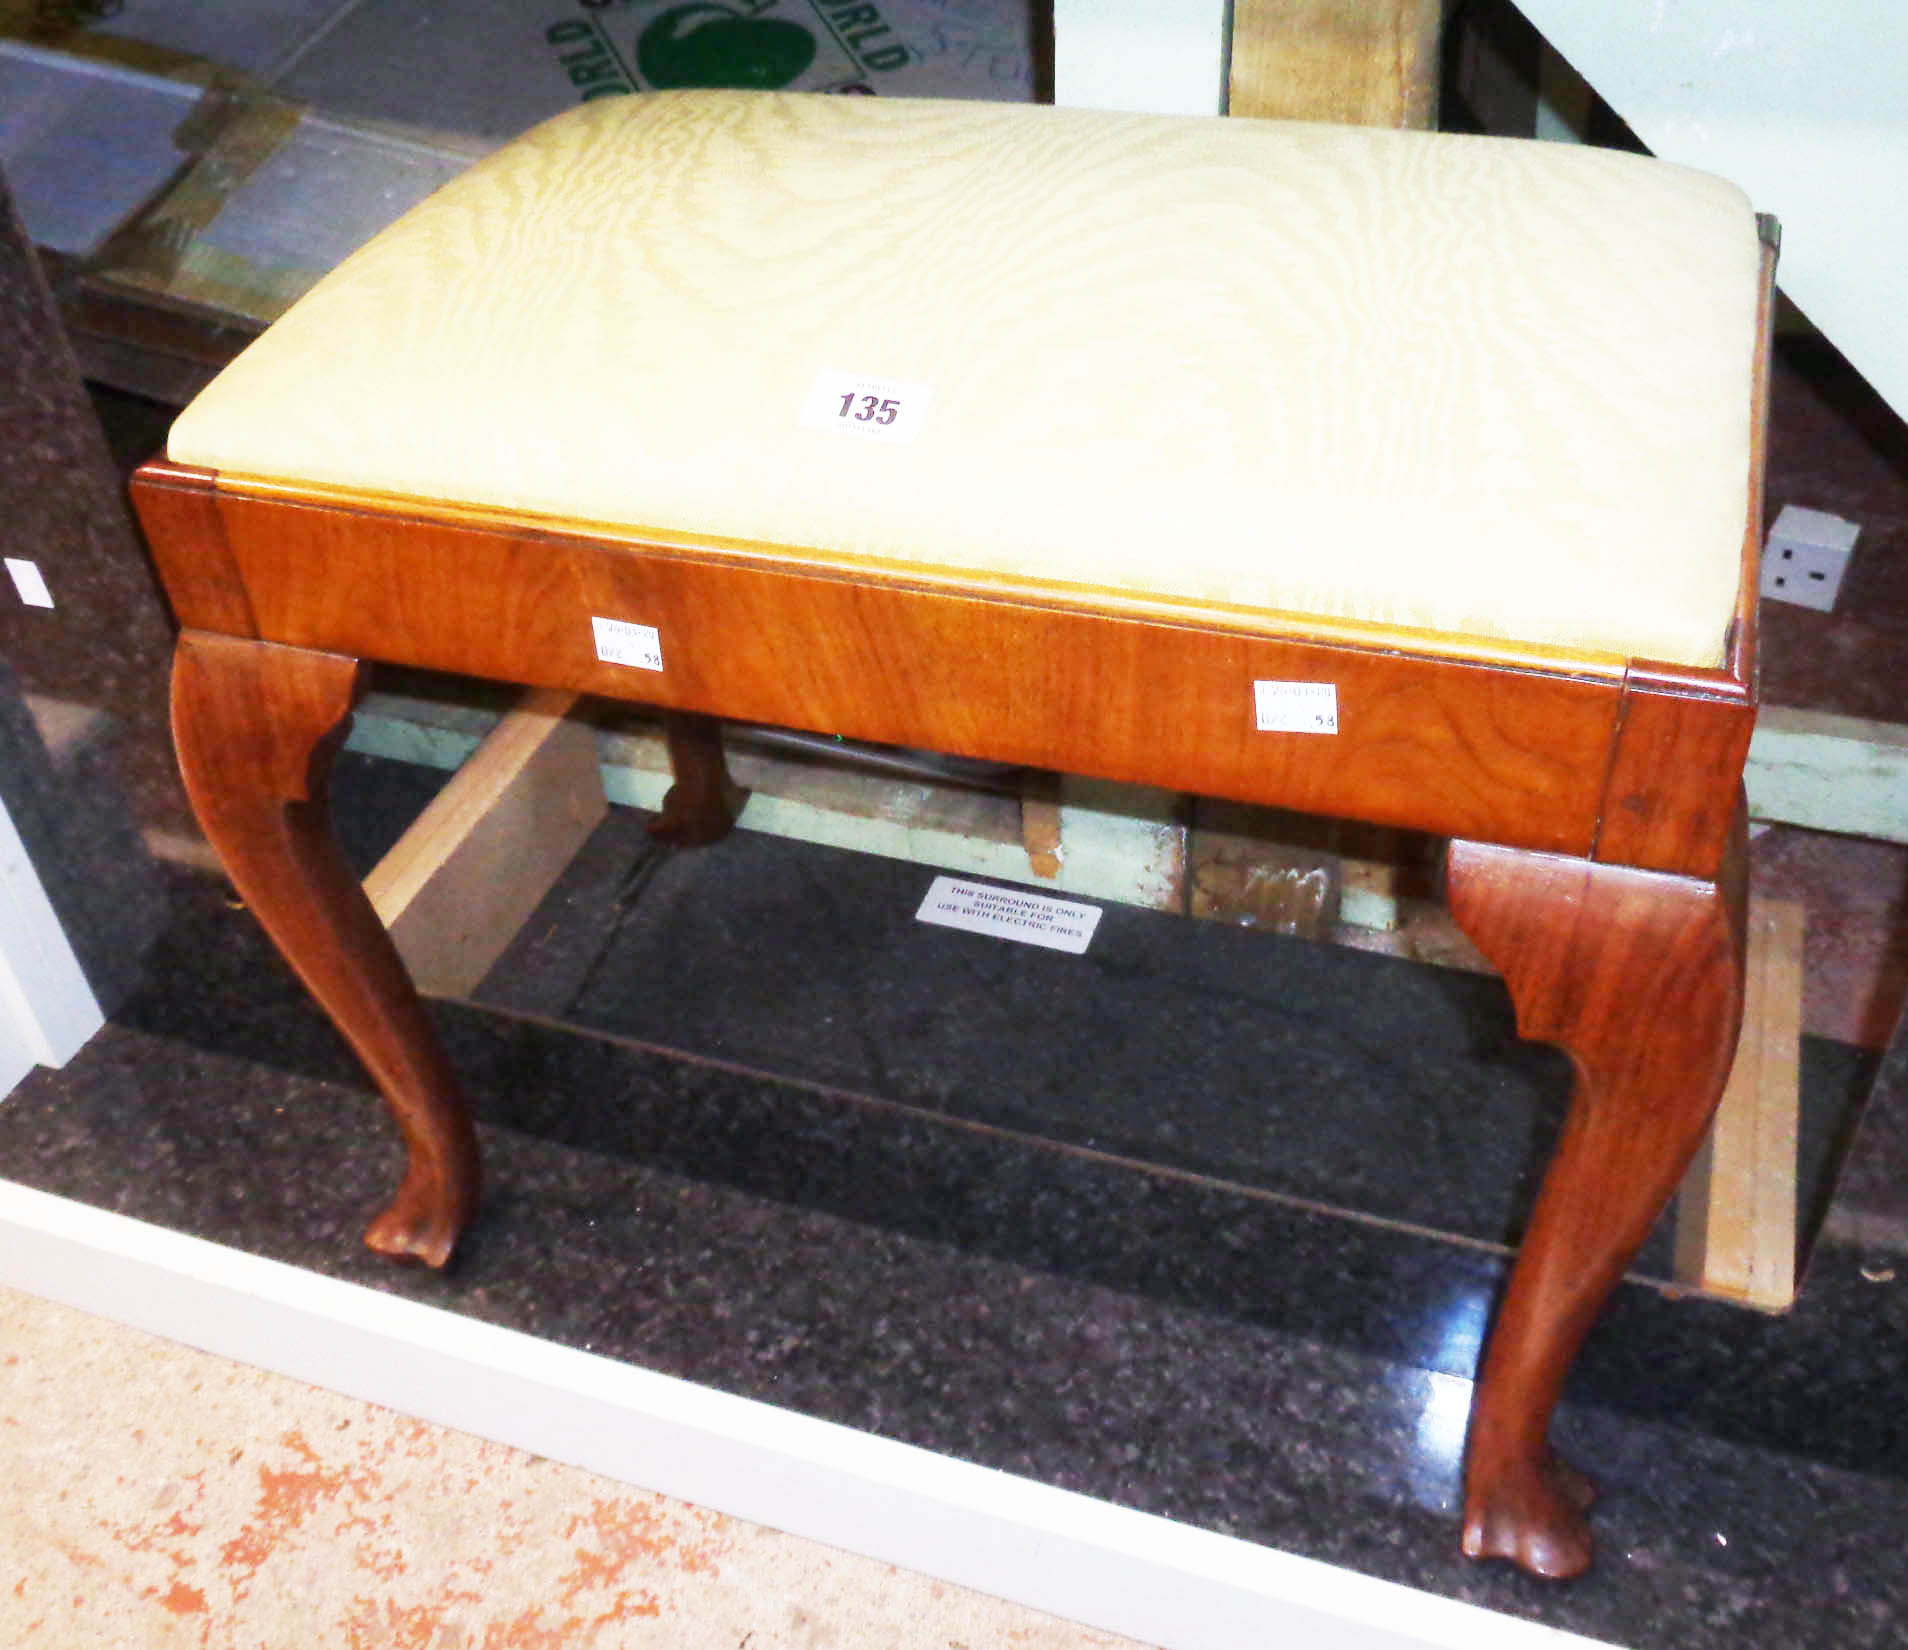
(836, 47)
(712, 45)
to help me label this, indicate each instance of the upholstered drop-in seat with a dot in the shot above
(1445, 383)
(1404, 476)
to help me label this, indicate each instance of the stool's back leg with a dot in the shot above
(1638, 976)
(702, 803)
(257, 726)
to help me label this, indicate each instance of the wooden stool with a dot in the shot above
(1406, 477)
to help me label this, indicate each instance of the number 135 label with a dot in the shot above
(851, 403)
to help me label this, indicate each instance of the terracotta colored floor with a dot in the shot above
(156, 1496)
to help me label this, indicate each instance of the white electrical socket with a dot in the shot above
(1806, 556)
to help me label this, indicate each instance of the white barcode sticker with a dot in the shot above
(1296, 707)
(877, 409)
(1010, 914)
(620, 643)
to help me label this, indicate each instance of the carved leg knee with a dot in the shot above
(1637, 975)
(257, 726)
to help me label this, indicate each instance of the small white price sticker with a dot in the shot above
(620, 643)
(1296, 707)
(877, 409)
(1010, 914)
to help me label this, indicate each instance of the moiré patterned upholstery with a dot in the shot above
(1479, 387)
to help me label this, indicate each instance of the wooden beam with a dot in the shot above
(1358, 62)
(1736, 1216)
(1040, 828)
(466, 876)
(1264, 868)
(1829, 773)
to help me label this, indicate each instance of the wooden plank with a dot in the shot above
(463, 879)
(1358, 62)
(1736, 1216)
(1040, 822)
(1829, 773)
(1264, 868)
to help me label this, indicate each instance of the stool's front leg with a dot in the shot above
(257, 727)
(1638, 976)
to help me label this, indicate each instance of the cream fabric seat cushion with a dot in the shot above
(1481, 387)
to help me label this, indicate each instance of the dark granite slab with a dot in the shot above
(1382, 1089)
(107, 641)
(1871, 1197)
(1074, 1258)
(70, 810)
(1324, 1075)
(1239, 1362)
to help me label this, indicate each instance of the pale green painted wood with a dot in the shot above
(1122, 843)
(1829, 773)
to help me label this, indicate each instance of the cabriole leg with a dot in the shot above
(257, 727)
(1638, 976)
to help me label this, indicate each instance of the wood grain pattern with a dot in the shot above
(1675, 776)
(1436, 744)
(1736, 1212)
(462, 880)
(257, 726)
(236, 493)
(1359, 62)
(186, 534)
(1638, 976)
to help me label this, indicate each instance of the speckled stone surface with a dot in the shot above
(74, 822)
(1855, 945)
(107, 640)
(1871, 1198)
(1206, 1048)
(1241, 1362)
(1332, 1078)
